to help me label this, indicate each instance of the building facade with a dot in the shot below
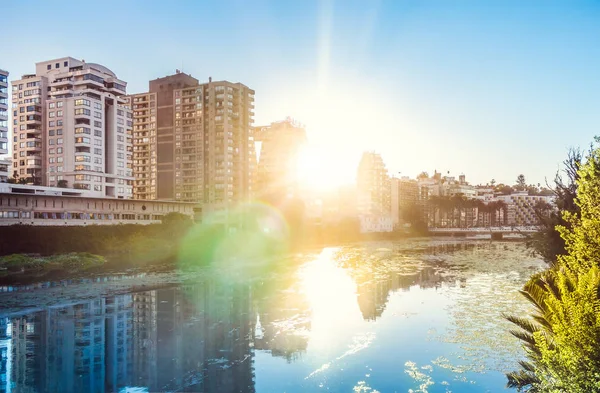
(3, 112)
(280, 147)
(72, 128)
(373, 194)
(521, 207)
(5, 167)
(199, 136)
(406, 205)
(54, 206)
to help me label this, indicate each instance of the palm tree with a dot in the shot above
(470, 205)
(536, 292)
(458, 203)
(446, 206)
(481, 210)
(502, 206)
(434, 207)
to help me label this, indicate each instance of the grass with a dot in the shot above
(70, 263)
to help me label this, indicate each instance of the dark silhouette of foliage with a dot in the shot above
(548, 243)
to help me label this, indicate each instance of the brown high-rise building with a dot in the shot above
(154, 137)
(200, 138)
(277, 173)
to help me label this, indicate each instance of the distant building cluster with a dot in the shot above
(387, 203)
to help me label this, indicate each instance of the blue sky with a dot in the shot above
(490, 89)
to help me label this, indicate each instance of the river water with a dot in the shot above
(420, 315)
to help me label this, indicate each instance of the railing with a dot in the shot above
(504, 229)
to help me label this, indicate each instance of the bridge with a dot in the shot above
(493, 232)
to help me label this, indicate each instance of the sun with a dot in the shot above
(322, 169)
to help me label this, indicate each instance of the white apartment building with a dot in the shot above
(72, 128)
(3, 112)
(521, 207)
(376, 224)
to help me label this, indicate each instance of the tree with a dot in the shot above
(493, 182)
(503, 189)
(63, 184)
(547, 242)
(563, 335)
(423, 175)
(521, 184)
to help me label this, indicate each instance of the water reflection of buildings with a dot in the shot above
(373, 292)
(283, 322)
(186, 339)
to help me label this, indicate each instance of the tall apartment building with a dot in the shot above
(3, 112)
(72, 128)
(199, 136)
(373, 192)
(277, 172)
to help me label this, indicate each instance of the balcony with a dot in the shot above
(33, 147)
(63, 82)
(33, 164)
(60, 93)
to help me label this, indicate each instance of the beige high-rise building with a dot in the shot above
(373, 194)
(72, 128)
(277, 173)
(3, 112)
(202, 148)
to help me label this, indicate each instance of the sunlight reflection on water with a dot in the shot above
(411, 316)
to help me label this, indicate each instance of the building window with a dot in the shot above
(59, 104)
(57, 65)
(49, 67)
(82, 111)
(66, 63)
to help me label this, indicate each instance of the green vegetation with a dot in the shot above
(140, 243)
(548, 243)
(563, 336)
(69, 263)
